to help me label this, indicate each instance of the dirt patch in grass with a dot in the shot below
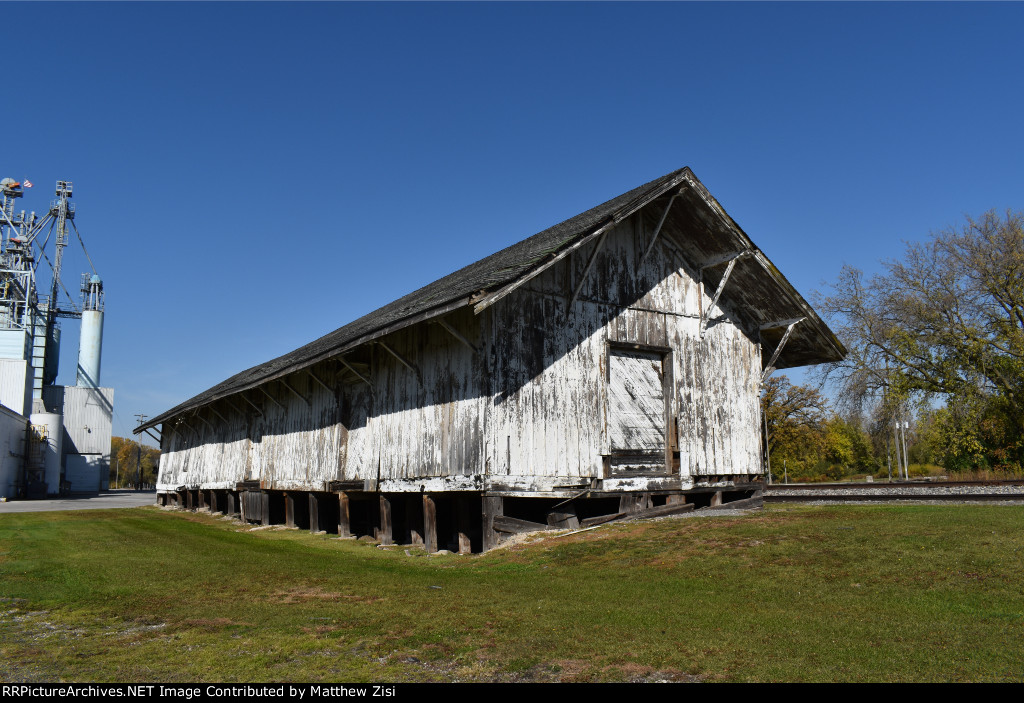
(215, 623)
(308, 594)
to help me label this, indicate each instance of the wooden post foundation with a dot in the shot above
(344, 525)
(464, 519)
(384, 532)
(429, 523)
(414, 519)
(314, 513)
(493, 506)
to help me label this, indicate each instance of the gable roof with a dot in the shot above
(482, 283)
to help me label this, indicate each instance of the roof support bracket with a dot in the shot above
(287, 385)
(214, 411)
(322, 384)
(181, 421)
(586, 271)
(657, 230)
(233, 406)
(401, 359)
(733, 258)
(158, 440)
(254, 406)
(455, 333)
(195, 413)
(770, 368)
(272, 400)
(358, 375)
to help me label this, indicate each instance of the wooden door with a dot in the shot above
(637, 415)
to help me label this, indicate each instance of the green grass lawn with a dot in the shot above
(845, 593)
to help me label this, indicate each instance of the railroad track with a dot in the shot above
(931, 491)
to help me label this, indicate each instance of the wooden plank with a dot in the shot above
(512, 525)
(429, 523)
(662, 510)
(742, 504)
(265, 512)
(601, 519)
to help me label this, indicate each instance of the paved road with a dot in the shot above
(107, 499)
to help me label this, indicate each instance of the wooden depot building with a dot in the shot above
(610, 365)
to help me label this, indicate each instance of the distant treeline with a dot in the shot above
(125, 456)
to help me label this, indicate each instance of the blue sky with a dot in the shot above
(249, 177)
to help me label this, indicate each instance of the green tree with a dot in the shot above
(125, 455)
(946, 322)
(794, 420)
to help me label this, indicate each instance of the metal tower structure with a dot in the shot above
(30, 309)
(22, 248)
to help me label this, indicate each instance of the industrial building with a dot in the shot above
(610, 365)
(57, 438)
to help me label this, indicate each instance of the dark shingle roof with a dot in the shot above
(454, 290)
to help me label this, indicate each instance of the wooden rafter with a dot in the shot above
(586, 271)
(661, 222)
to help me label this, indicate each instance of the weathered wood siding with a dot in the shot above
(427, 422)
(530, 401)
(549, 369)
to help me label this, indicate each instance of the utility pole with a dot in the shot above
(138, 474)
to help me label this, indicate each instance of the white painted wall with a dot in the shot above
(12, 446)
